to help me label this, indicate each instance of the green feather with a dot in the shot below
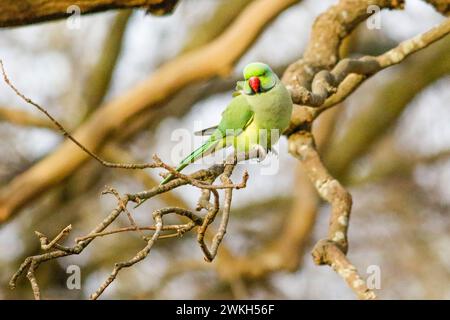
(207, 147)
(196, 154)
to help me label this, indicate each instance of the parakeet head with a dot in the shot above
(259, 78)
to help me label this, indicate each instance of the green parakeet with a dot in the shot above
(261, 104)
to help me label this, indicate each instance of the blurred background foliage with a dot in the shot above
(389, 143)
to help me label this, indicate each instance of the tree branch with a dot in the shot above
(31, 263)
(328, 32)
(443, 6)
(325, 83)
(371, 121)
(24, 12)
(331, 251)
(24, 118)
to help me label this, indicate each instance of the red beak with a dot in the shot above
(255, 84)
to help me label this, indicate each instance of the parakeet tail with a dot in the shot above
(205, 149)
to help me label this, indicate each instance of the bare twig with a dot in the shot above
(210, 254)
(68, 135)
(45, 245)
(31, 263)
(198, 183)
(157, 216)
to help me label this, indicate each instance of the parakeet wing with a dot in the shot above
(237, 116)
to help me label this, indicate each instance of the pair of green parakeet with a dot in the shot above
(261, 105)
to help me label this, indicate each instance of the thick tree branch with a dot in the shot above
(325, 83)
(322, 52)
(302, 146)
(326, 252)
(24, 12)
(443, 6)
(331, 251)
